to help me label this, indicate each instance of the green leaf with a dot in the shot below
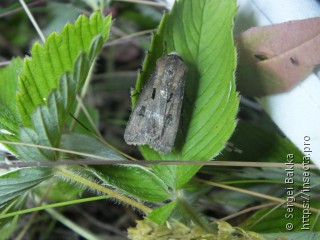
(14, 187)
(185, 213)
(249, 141)
(9, 117)
(15, 183)
(68, 57)
(48, 120)
(87, 144)
(49, 61)
(201, 32)
(28, 135)
(8, 225)
(161, 214)
(60, 190)
(135, 180)
(277, 221)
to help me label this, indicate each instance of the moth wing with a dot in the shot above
(147, 117)
(173, 108)
(155, 119)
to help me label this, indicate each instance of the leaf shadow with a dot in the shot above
(188, 105)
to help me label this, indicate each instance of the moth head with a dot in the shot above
(174, 53)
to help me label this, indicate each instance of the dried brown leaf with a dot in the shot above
(275, 58)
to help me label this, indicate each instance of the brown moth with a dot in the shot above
(155, 119)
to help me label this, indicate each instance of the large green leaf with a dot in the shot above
(135, 180)
(138, 181)
(48, 120)
(41, 72)
(49, 95)
(201, 32)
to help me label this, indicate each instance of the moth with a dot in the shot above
(155, 118)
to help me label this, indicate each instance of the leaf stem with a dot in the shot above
(54, 205)
(83, 93)
(92, 185)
